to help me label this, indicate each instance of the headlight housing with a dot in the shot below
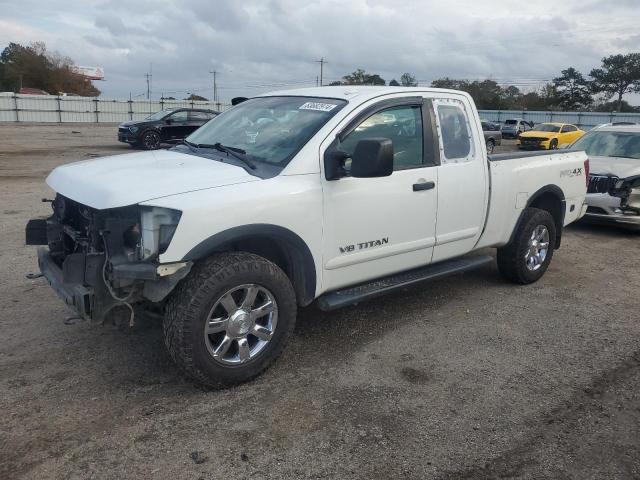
(157, 226)
(133, 129)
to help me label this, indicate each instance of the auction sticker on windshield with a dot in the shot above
(321, 107)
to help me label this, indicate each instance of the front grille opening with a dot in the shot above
(601, 183)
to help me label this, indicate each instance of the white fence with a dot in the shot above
(585, 120)
(49, 108)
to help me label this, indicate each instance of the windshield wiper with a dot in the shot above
(237, 153)
(188, 144)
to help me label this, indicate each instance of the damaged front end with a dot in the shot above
(628, 190)
(97, 260)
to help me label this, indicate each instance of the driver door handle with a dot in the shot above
(423, 186)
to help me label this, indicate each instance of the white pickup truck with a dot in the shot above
(333, 195)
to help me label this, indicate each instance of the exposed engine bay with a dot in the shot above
(106, 258)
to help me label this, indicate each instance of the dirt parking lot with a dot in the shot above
(466, 378)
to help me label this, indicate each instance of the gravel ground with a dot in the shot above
(465, 378)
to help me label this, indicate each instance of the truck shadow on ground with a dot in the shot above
(137, 357)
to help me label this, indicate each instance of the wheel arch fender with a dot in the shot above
(275, 243)
(550, 198)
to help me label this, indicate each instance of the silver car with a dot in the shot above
(613, 194)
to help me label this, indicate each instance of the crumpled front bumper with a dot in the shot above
(605, 209)
(75, 295)
(80, 285)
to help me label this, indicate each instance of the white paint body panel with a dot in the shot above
(475, 204)
(131, 178)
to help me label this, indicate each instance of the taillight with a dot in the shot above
(586, 172)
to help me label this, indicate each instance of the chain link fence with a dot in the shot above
(67, 109)
(50, 108)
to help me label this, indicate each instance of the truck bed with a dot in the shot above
(518, 178)
(499, 157)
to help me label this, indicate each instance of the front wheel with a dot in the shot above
(150, 140)
(230, 318)
(525, 259)
(553, 145)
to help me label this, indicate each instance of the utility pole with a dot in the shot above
(322, 61)
(215, 86)
(148, 77)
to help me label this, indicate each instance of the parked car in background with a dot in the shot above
(492, 135)
(613, 194)
(165, 126)
(549, 136)
(515, 126)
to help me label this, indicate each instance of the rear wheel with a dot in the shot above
(490, 146)
(526, 258)
(230, 318)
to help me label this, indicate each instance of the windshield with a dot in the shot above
(546, 127)
(268, 129)
(159, 115)
(610, 144)
(511, 122)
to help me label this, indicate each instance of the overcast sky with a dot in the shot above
(258, 46)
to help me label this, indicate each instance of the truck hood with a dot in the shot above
(132, 178)
(619, 167)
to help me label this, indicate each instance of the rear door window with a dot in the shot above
(454, 131)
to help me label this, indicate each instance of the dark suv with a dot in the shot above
(165, 126)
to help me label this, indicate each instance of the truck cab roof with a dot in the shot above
(357, 93)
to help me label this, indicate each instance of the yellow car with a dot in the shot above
(549, 136)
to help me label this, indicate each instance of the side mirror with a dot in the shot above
(168, 121)
(372, 157)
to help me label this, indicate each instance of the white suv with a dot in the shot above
(613, 196)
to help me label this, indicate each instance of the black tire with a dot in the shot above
(512, 262)
(490, 146)
(150, 140)
(553, 144)
(189, 306)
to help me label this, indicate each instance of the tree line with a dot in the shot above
(33, 66)
(602, 90)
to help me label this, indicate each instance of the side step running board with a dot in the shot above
(375, 288)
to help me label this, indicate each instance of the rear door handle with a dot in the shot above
(423, 186)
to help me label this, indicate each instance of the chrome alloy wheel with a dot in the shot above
(241, 324)
(538, 248)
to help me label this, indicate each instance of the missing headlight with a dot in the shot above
(158, 226)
